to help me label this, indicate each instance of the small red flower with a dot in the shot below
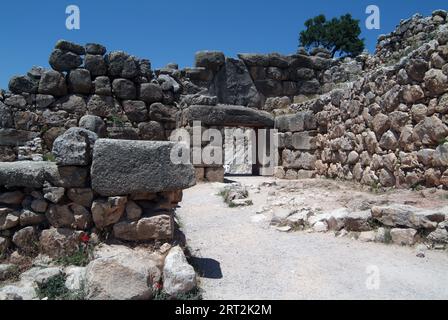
(158, 286)
(85, 238)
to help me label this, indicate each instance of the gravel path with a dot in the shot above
(243, 258)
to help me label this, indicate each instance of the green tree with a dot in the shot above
(338, 35)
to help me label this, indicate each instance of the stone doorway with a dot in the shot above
(239, 151)
(247, 122)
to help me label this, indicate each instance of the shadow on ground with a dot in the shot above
(206, 267)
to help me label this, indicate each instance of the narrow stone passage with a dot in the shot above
(241, 257)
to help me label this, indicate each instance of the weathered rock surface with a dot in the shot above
(23, 290)
(122, 167)
(13, 137)
(227, 115)
(35, 173)
(233, 85)
(81, 196)
(20, 84)
(301, 121)
(53, 83)
(13, 197)
(159, 226)
(94, 124)
(75, 278)
(6, 270)
(178, 276)
(408, 216)
(40, 275)
(109, 211)
(403, 236)
(74, 147)
(121, 273)
(58, 242)
(26, 239)
(212, 60)
(8, 219)
(151, 93)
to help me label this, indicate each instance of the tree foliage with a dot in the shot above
(338, 35)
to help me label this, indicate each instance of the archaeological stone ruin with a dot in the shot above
(85, 146)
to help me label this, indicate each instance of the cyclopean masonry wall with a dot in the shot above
(376, 113)
(115, 95)
(109, 189)
(380, 120)
(258, 80)
(118, 96)
(388, 129)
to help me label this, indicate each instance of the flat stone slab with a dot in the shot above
(122, 167)
(227, 115)
(33, 174)
(13, 137)
(300, 121)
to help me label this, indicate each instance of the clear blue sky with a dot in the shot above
(173, 30)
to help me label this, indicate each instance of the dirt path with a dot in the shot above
(241, 257)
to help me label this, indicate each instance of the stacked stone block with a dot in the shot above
(127, 190)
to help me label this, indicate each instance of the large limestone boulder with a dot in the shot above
(80, 81)
(75, 277)
(13, 137)
(20, 84)
(122, 65)
(430, 130)
(227, 115)
(403, 236)
(62, 60)
(35, 173)
(59, 242)
(27, 173)
(122, 167)
(440, 235)
(212, 60)
(53, 83)
(94, 124)
(74, 147)
(70, 46)
(160, 226)
(8, 219)
(407, 216)
(26, 239)
(107, 212)
(150, 93)
(436, 82)
(40, 275)
(22, 290)
(178, 276)
(301, 121)
(233, 85)
(121, 273)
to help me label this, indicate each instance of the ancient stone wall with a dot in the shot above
(366, 118)
(257, 80)
(103, 188)
(115, 95)
(388, 128)
(409, 35)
